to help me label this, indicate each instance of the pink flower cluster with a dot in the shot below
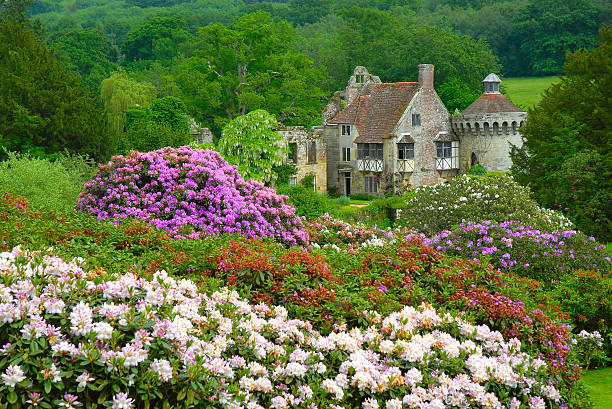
(167, 335)
(190, 192)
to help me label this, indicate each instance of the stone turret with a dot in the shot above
(360, 78)
(488, 128)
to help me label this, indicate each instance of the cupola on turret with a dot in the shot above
(488, 128)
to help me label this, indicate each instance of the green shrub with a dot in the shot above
(434, 208)
(343, 201)
(477, 170)
(307, 202)
(48, 186)
(147, 136)
(362, 196)
(283, 172)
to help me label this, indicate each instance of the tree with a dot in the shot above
(250, 65)
(159, 38)
(547, 29)
(88, 52)
(118, 93)
(162, 124)
(568, 132)
(251, 143)
(43, 108)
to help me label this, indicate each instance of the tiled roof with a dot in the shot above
(377, 110)
(491, 103)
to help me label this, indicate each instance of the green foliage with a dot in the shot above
(149, 129)
(548, 29)
(343, 201)
(477, 169)
(146, 136)
(250, 65)
(88, 52)
(307, 202)
(118, 93)
(568, 138)
(170, 111)
(43, 108)
(159, 38)
(456, 94)
(48, 186)
(283, 172)
(251, 143)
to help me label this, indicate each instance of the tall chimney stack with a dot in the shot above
(426, 75)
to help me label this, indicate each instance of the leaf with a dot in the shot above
(12, 397)
(47, 387)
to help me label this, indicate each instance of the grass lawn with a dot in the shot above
(599, 384)
(526, 91)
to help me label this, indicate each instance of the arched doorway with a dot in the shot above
(474, 159)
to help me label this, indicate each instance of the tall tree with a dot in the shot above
(159, 38)
(546, 30)
(567, 140)
(118, 93)
(88, 52)
(43, 108)
(249, 65)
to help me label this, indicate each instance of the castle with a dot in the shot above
(402, 129)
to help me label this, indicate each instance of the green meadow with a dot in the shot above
(526, 91)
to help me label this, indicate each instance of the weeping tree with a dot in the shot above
(118, 93)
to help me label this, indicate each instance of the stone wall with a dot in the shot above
(303, 140)
(489, 137)
(435, 120)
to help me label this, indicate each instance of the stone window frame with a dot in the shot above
(292, 180)
(346, 130)
(444, 149)
(292, 152)
(312, 152)
(346, 154)
(370, 184)
(416, 119)
(370, 151)
(405, 151)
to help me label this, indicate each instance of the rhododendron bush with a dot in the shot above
(189, 192)
(72, 338)
(524, 250)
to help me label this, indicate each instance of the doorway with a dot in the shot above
(347, 184)
(474, 159)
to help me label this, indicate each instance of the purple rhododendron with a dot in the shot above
(190, 192)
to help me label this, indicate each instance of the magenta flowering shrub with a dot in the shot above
(70, 338)
(524, 250)
(190, 192)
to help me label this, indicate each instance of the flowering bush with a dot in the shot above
(189, 192)
(70, 338)
(434, 208)
(524, 250)
(329, 232)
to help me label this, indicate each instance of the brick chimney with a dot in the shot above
(426, 75)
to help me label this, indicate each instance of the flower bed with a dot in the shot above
(514, 247)
(72, 338)
(189, 192)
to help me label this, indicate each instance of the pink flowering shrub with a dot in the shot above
(524, 250)
(71, 338)
(189, 192)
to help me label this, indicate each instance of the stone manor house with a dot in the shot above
(402, 129)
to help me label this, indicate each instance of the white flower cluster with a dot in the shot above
(414, 358)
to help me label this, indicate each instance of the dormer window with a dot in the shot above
(416, 119)
(346, 130)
